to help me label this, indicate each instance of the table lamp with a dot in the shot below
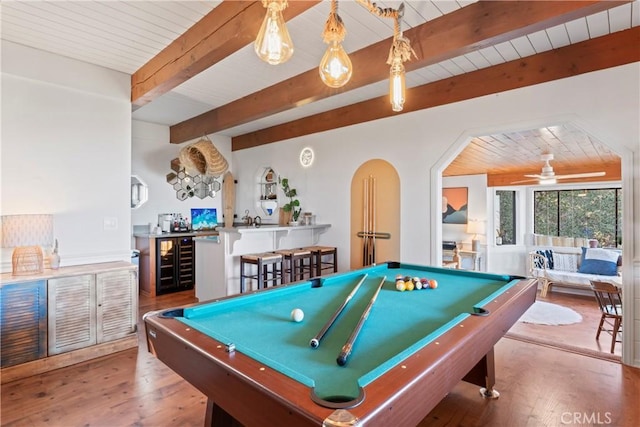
(27, 234)
(475, 227)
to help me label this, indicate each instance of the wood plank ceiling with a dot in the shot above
(193, 66)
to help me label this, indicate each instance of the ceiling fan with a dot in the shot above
(548, 176)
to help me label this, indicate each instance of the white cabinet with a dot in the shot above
(71, 313)
(90, 309)
(117, 305)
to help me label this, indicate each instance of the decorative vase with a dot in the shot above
(54, 261)
(285, 217)
(293, 223)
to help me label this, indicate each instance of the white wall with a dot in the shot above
(66, 150)
(605, 104)
(151, 161)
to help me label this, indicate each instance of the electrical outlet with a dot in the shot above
(110, 223)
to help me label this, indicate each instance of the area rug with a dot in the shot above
(545, 313)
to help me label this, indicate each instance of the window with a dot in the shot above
(505, 219)
(588, 213)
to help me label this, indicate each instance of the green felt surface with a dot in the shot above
(400, 323)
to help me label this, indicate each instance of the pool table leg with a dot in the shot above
(484, 375)
(216, 416)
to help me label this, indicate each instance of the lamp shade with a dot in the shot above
(475, 227)
(27, 230)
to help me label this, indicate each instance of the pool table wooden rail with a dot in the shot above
(242, 391)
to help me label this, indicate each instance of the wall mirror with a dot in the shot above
(268, 188)
(187, 185)
(139, 192)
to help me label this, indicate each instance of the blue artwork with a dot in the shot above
(203, 219)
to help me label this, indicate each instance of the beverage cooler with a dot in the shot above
(175, 267)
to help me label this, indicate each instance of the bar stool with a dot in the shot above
(297, 263)
(324, 258)
(264, 275)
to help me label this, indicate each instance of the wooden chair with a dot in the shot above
(609, 299)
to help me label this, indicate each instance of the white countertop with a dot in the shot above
(270, 227)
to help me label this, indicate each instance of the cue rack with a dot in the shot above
(369, 234)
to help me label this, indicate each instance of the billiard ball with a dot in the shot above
(297, 315)
(400, 286)
(410, 286)
(433, 283)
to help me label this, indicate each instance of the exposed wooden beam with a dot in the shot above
(591, 55)
(470, 28)
(229, 27)
(613, 172)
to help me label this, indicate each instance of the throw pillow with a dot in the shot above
(548, 254)
(565, 262)
(599, 261)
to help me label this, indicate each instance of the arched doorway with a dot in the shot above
(375, 214)
(502, 258)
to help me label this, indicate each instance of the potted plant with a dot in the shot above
(292, 208)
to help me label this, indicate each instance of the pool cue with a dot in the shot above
(365, 221)
(348, 346)
(315, 341)
(373, 220)
(369, 217)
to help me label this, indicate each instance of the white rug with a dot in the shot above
(544, 313)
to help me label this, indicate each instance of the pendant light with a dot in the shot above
(335, 66)
(397, 85)
(273, 44)
(400, 52)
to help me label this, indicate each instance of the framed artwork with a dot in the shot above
(454, 205)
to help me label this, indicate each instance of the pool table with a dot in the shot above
(257, 367)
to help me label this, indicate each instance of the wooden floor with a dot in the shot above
(540, 386)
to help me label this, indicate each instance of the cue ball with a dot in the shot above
(297, 315)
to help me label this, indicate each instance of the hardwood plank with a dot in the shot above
(473, 27)
(227, 28)
(591, 55)
(38, 366)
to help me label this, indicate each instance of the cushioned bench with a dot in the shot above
(574, 267)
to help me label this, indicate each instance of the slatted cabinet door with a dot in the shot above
(72, 313)
(23, 322)
(117, 309)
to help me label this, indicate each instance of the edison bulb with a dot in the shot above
(273, 44)
(335, 67)
(397, 85)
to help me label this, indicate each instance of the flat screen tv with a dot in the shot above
(203, 219)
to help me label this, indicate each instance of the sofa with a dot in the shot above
(574, 267)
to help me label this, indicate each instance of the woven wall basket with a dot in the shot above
(203, 158)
